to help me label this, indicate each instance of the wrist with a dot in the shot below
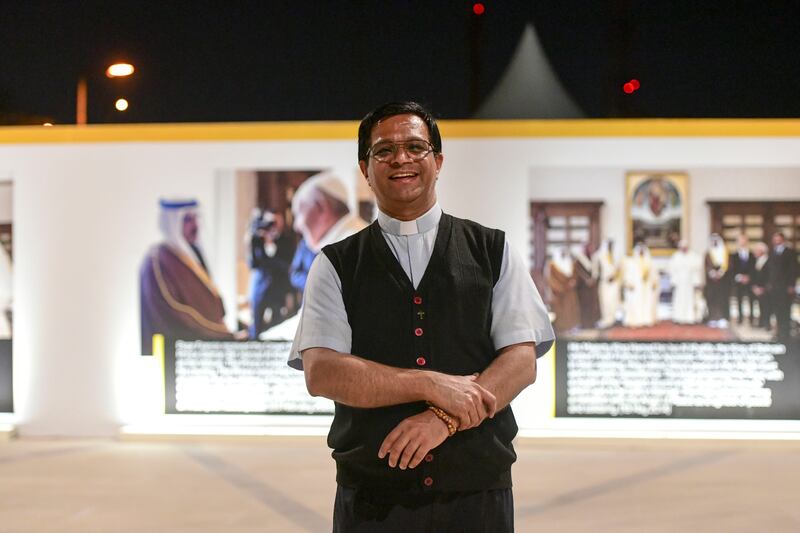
(449, 421)
(423, 385)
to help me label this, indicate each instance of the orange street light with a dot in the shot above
(117, 70)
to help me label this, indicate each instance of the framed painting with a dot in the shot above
(657, 210)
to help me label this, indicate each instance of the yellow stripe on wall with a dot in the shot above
(347, 130)
(158, 354)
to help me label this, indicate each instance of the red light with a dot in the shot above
(628, 88)
(478, 8)
(635, 83)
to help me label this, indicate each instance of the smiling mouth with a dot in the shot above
(404, 176)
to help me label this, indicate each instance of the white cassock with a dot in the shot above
(609, 288)
(640, 281)
(686, 275)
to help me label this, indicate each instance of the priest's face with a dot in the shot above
(403, 182)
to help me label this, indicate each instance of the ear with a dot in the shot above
(363, 166)
(438, 159)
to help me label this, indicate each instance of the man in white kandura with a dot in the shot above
(609, 274)
(640, 280)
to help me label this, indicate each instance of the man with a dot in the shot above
(562, 282)
(321, 213)
(322, 217)
(269, 256)
(178, 298)
(587, 272)
(759, 284)
(686, 275)
(781, 279)
(741, 264)
(717, 290)
(435, 309)
(609, 274)
(640, 279)
(301, 264)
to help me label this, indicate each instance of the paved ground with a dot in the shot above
(286, 485)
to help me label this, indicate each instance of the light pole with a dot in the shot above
(117, 70)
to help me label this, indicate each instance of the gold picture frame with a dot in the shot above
(657, 209)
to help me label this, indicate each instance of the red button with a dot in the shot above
(429, 458)
(418, 332)
(418, 300)
(428, 481)
(421, 361)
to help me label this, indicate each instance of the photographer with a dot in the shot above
(269, 256)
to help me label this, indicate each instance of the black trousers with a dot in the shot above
(782, 307)
(362, 511)
(742, 291)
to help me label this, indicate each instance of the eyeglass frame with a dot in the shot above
(395, 151)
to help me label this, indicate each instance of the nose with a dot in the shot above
(401, 156)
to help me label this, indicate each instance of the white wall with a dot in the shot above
(85, 213)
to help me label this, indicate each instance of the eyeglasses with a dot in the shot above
(416, 150)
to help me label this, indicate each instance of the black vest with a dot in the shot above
(443, 325)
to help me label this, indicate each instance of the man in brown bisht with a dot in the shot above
(178, 298)
(588, 273)
(563, 281)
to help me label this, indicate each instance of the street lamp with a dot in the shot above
(117, 70)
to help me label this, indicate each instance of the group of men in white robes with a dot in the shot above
(629, 288)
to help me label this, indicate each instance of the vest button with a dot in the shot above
(418, 300)
(418, 332)
(421, 361)
(429, 458)
(428, 481)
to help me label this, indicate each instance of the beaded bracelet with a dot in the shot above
(450, 422)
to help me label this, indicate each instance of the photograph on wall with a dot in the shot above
(657, 207)
(225, 330)
(708, 330)
(6, 297)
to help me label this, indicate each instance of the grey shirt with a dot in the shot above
(518, 313)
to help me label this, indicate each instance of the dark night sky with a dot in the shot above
(325, 60)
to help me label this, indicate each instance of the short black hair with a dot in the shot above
(389, 110)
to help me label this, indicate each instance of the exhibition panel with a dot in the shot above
(160, 270)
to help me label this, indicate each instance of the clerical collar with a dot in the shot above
(425, 223)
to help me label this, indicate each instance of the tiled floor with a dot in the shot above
(287, 484)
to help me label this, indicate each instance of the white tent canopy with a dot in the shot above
(529, 88)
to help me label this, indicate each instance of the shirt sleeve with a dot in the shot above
(323, 319)
(518, 313)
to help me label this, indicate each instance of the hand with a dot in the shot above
(463, 398)
(411, 440)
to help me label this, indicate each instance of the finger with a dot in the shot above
(397, 449)
(409, 452)
(490, 401)
(390, 439)
(473, 417)
(419, 455)
(481, 408)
